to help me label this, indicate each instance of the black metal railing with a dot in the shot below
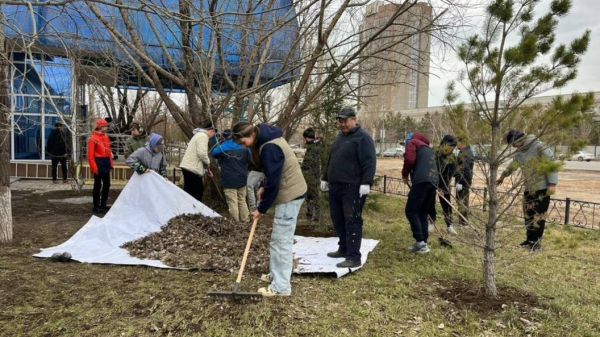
(585, 214)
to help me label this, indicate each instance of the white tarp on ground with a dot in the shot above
(145, 204)
(312, 255)
(149, 202)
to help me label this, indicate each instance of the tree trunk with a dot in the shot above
(6, 232)
(489, 261)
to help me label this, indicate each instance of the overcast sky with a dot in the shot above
(584, 15)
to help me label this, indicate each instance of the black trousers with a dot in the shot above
(313, 205)
(463, 203)
(535, 206)
(63, 164)
(101, 181)
(418, 208)
(193, 184)
(446, 209)
(345, 206)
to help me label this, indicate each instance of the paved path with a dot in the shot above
(42, 186)
(582, 165)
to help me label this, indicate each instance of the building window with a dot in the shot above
(27, 137)
(413, 79)
(40, 95)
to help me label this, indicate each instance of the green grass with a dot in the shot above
(393, 295)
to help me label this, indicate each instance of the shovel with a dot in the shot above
(236, 294)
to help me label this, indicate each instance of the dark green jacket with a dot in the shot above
(134, 143)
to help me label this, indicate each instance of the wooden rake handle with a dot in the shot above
(248, 244)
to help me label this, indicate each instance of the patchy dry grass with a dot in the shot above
(396, 293)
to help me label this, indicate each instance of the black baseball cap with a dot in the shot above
(309, 133)
(346, 112)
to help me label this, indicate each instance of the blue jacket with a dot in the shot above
(233, 159)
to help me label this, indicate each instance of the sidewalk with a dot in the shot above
(42, 186)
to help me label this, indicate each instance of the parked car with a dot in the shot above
(395, 152)
(581, 156)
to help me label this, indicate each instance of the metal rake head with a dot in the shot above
(236, 296)
(445, 242)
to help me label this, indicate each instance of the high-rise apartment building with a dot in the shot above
(395, 75)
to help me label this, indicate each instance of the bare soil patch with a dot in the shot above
(469, 294)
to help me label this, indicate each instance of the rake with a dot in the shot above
(236, 294)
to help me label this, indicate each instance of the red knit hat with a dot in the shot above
(100, 123)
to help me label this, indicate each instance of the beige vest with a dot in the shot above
(292, 184)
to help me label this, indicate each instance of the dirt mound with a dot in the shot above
(197, 241)
(469, 294)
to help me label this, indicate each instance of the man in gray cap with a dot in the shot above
(348, 177)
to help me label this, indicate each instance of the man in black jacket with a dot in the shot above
(311, 169)
(58, 147)
(446, 165)
(348, 177)
(463, 178)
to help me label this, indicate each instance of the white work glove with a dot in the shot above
(364, 190)
(324, 186)
(459, 187)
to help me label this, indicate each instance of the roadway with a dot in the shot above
(582, 165)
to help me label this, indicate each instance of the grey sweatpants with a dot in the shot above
(254, 180)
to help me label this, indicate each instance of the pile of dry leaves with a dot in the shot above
(197, 241)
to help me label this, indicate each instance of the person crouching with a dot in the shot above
(149, 157)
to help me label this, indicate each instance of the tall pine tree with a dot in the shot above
(500, 77)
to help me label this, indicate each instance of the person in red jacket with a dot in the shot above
(420, 164)
(100, 160)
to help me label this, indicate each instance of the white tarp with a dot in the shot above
(312, 255)
(149, 202)
(145, 204)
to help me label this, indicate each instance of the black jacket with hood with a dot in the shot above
(464, 169)
(420, 161)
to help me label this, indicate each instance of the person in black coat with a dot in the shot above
(348, 177)
(464, 178)
(59, 149)
(311, 169)
(446, 165)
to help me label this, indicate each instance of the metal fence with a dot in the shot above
(585, 214)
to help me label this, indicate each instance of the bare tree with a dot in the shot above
(6, 229)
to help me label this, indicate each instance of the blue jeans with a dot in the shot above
(345, 208)
(282, 240)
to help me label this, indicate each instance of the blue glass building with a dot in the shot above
(43, 78)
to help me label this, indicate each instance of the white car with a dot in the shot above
(582, 155)
(395, 152)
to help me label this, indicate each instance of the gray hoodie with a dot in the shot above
(527, 158)
(145, 158)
